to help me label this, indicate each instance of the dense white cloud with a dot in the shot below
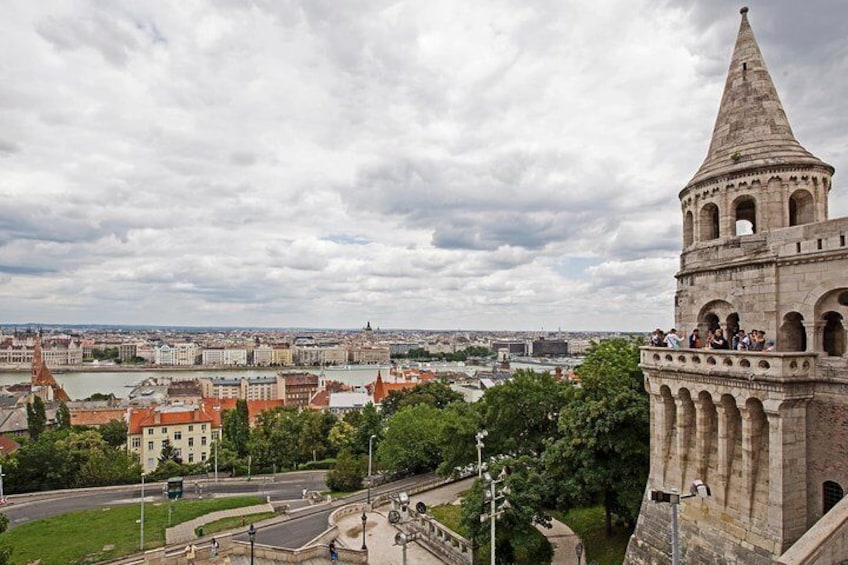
(419, 164)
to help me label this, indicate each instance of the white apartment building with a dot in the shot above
(191, 430)
(263, 355)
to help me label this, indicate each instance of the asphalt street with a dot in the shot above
(308, 523)
(289, 486)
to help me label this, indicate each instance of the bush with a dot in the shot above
(321, 464)
(348, 473)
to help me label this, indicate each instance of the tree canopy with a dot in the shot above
(603, 449)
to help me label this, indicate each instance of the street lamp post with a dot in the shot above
(364, 519)
(480, 435)
(494, 512)
(2, 496)
(141, 536)
(216, 462)
(370, 448)
(251, 535)
(698, 488)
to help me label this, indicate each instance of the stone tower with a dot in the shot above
(767, 431)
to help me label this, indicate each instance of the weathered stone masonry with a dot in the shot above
(767, 431)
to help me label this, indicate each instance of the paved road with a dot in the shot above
(307, 524)
(25, 508)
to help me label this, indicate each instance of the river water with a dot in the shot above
(83, 384)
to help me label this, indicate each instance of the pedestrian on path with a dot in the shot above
(334, 555)
(191, 552)
(215, 546)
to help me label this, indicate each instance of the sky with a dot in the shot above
(497, 164)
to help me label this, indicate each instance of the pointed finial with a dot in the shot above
(743, 10)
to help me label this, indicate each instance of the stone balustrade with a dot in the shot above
(742, 365)
(440, 540)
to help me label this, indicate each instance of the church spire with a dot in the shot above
(751, 129)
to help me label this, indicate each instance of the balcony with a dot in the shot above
(740, 365)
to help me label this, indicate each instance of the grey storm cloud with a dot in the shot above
(440, 164)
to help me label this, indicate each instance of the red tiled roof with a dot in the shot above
(146, 417)
(254, 407)
(96, 416)
(320, 399)
(8, 445)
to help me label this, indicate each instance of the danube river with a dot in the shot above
(83, 384)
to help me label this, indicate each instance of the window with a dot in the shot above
(191, 457)
(203, 456)
(831, 494)
(164, 430)
(215, 435)
(709, 222)
(150, 431)
(203, 440)
(149, 446)
(136, 442)
(203, 427)
(150, 464)
(178, 435)
(191, 428)
(191, 442)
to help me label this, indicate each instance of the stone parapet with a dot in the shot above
(826, 542)
(773, 367)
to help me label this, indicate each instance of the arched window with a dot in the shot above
(745, 212)
(792, 336)
(833, 335)
(801, 208)
(732, 325)
(688, 229)
(709, 222)
(832, 493)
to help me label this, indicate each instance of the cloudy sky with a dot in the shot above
(496, 164)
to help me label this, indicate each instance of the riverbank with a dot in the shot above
(16, 369)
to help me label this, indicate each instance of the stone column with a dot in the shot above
(685, 423)
(726, 441)
(787, 505)
(703, 435)
(814, 329)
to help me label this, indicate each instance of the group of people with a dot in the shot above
(715, 339)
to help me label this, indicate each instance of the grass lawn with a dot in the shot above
(589, 523)
(450, 516)
(230, 523)
(82, 537)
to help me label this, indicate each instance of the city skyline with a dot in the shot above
(490, 167)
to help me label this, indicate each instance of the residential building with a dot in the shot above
(282, 355)
(191, 430)
(296, 389)
(263, 355)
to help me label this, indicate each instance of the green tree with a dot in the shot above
(521, 414)
(347, 474)
(115, 433)
(603, 452)
(63, 416)
(169, 453)
(370, 422)
(342, 436)
(411, 441)
(237, 427)
(457, 441)
(518, 540)
(36, 417)
(436, 394)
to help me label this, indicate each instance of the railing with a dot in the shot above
(742, 365)
(826, 542)
(440, 540)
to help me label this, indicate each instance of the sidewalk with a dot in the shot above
(184, 532)
(379, 534)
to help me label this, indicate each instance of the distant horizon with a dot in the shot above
(39, 325)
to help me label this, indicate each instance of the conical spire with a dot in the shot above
(751, 129)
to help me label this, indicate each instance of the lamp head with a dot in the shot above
(251, 533)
